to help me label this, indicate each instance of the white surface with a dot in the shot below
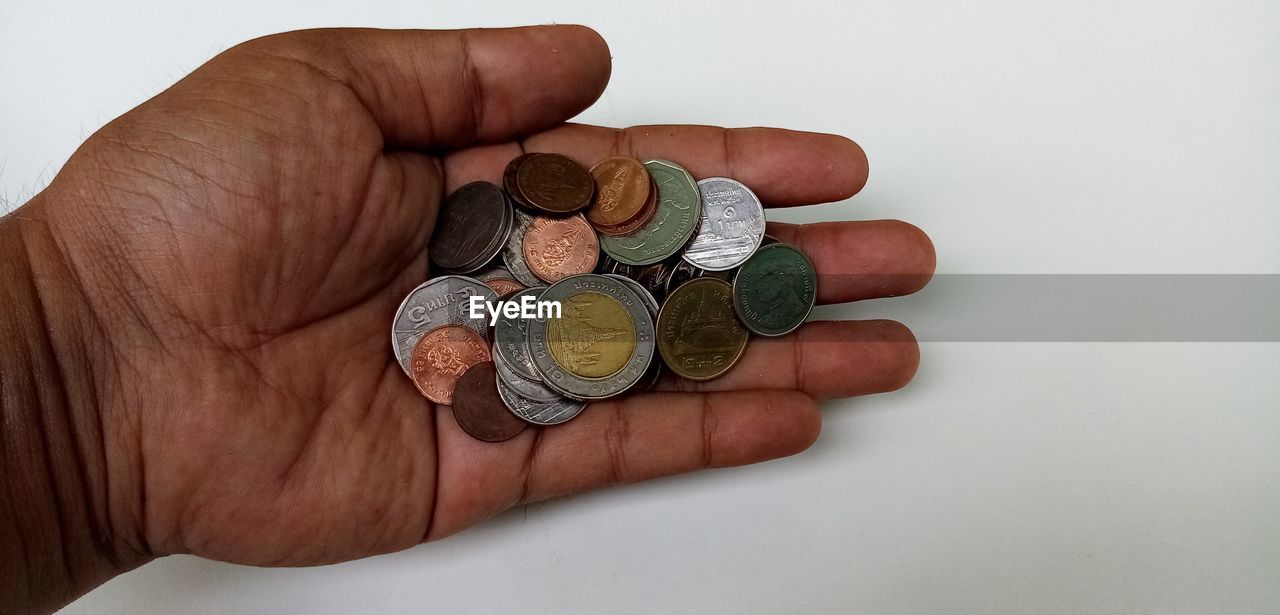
(1026, 137)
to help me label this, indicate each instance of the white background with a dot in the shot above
(1025, 137)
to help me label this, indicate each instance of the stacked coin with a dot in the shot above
(650, 271)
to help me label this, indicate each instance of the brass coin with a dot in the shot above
(554, 184)
(479, 408)
(699, 337)
(594, 337)
(622, 189)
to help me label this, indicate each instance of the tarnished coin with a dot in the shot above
(622, 189)
(775, 290)
(513, 251)
(698, 335)
(732, 225)
(509, 179)
(440, 301)
(442, 356)
(601, 345)
(501, 281)
(470, 228)
(646, 214)
(479, 409)
(679, 211)
(535, 390)
(554, 184)
(546, 413)
(556, 248)
(511, 338)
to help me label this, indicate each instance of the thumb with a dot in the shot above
(452, 88)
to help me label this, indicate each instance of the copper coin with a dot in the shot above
(622, 189)
(479, 409)
(504, 286)
(556, 248)
(509, 179)
(472, 223)
(442, 356)
(642, 217)
(554, 184)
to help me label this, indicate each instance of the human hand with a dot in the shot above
(229, 255)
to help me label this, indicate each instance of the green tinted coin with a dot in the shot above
(679, 211)
(774, 291)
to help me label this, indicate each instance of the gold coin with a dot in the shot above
(699, 337)
(594, 336)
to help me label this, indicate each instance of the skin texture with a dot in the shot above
(198, 361)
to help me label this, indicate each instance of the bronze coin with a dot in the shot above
(471, 221)
(509, 179)
(556, 248)
(442, 356)
(504, 286)
(554, 184)
(479, 409)
(642, 217)
(622, 189)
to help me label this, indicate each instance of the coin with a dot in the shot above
(554, 184)
(532, 389)
(775, 290)
(678, 213)
(732, 225)
(651, 304)
(470, 228)
(622, 189)
(479, 409)
(513, 250)
(601, 345)
(682, 272)
(511, 338)
(647, 211)
(440, 301)
(501, 281)
(699, 337)
(442, 356)
(556, 248)
(509, 179)
(544, 413)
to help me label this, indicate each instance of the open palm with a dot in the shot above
(242, 240)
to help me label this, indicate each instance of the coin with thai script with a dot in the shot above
(532, 389)
(480, 410)
(471, 227)
(554, 184)
(775, 290)
(442, 356)
(678, 214)
(622, 189)
(440, 301)
(732, 225)
(511, 337)
(545, 413)
(699, 337)
(500, 280)
(601, 344)
(556, 248)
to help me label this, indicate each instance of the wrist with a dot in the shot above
(71, 499)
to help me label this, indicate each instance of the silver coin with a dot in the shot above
(636, 364)
(544, 413)
(513, 250)
(511, 338)
(732, 225)
(440, 301)
(650, 303)
(532, 389)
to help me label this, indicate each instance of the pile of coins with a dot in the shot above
(651, 271)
